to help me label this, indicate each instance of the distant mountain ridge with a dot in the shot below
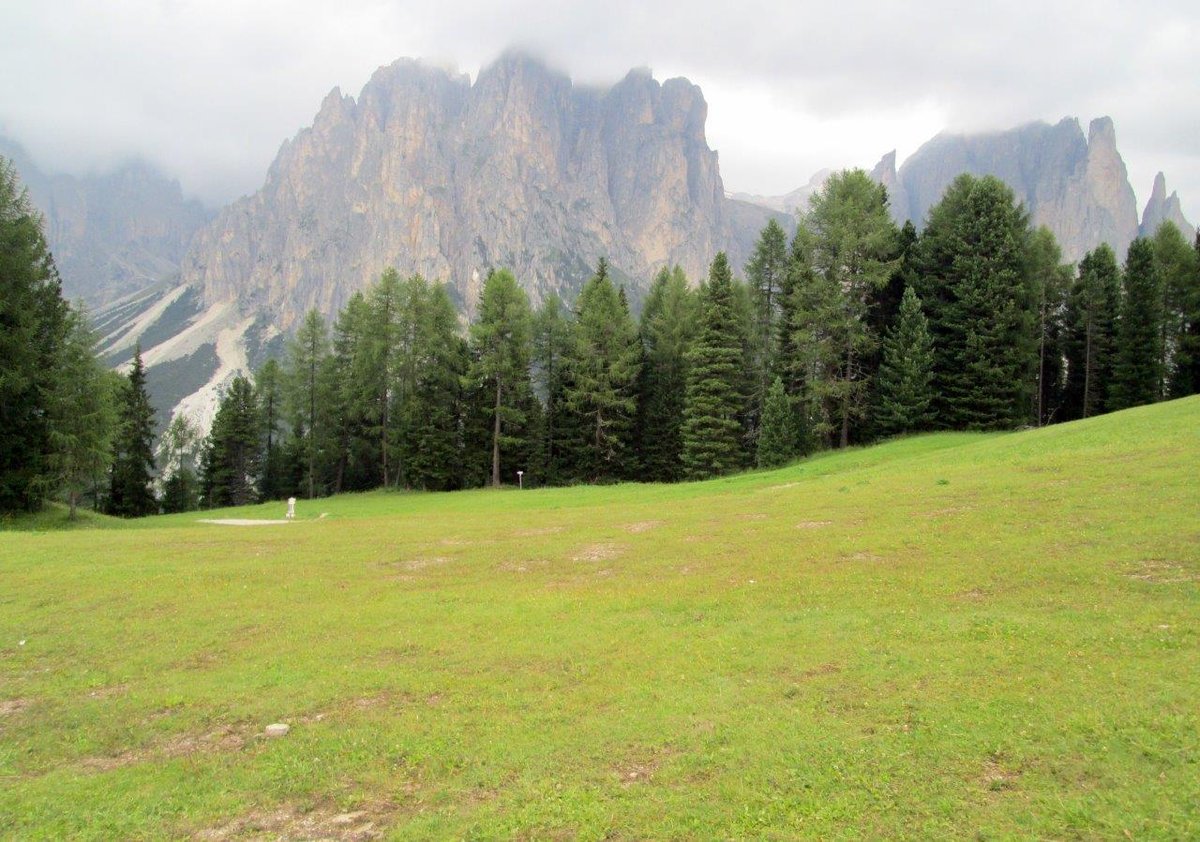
(1076, 186)
(429, 173)
(113, 234)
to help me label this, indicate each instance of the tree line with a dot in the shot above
(853, 331)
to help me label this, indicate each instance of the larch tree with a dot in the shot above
(847, 250)
(766, 275)
(81, 411)
(501, 348)
(268, 392)
(307, 395)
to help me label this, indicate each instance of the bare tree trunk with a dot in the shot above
(73, 500)
(1087, 370)
(1041, 379)
(845, 436)
(496, 440)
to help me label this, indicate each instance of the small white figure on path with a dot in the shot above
(291, 514)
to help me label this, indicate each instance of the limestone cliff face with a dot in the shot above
(112, 234)
(885, 174)
(1163, 208)
(430, 173)
(1076, 187)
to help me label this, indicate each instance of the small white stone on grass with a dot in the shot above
(278, 730)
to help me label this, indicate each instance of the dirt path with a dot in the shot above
(235, 521)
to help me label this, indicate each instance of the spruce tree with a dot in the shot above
(432, 447)
(1138, 366)
(1185, 377)
(232, 463)
(668, 327)
(976, 289)
(130, 491)
(553, 339)
(778, 439)
(1050, 280)
(604, 367)
(1090, 324)
(712, 429)
(501, 348)
(32, 326)
(904, 390)
(1176, 263)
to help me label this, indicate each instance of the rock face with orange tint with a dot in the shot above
(432, 173)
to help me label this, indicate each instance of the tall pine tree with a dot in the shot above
(777, 439)
(1138, 366)
(553, 342)
(604, 368)
(1090, 323)
(130, 492)
(81, 411)
(847, 248)
(232, 460)
(712, 429)
(32, 326)
(905, 387)
(976, 289)
(308, 400)
(1176, 263)
(668, 327)
(501, 348)
(766, 275)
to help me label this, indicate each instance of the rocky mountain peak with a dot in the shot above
(430, 173)
(1102, 134)
(1163, 208)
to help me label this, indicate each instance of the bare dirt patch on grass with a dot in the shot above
(11, 707)
(537, 532)
(226, 738)
(1162, 572)
(642, 526)
(813, 524)
(293, 822)
(997, 777)
(598, 552)
(640, 764)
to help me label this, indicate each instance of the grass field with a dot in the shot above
(942, 637)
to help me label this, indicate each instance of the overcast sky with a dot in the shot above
(208, 90)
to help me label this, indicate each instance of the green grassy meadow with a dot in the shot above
(946, 636)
